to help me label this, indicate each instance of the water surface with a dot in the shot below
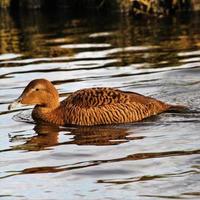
(157, 158)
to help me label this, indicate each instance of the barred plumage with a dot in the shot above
(94, 106)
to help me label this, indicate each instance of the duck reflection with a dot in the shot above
(100, 135)
(48, 136)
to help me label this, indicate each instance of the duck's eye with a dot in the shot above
(37, 89)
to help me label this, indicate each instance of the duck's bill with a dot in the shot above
(15, 104)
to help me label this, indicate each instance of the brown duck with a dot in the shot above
(94, 106)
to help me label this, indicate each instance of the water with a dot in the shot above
(157, 158)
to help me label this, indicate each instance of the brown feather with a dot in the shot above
(109, 106)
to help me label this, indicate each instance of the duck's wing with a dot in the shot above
(109, 106)
(100, 97)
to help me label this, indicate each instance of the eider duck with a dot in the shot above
(87, 107)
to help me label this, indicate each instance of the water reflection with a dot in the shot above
(47, 135)
(27, 36)
(90, 163)
(35, 35)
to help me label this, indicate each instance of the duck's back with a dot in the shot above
(96, 106)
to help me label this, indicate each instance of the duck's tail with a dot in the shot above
(178, 108)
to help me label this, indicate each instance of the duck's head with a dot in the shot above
(40, 92)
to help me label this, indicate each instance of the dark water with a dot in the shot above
(158, 158)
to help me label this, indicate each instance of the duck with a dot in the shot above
(89, 107)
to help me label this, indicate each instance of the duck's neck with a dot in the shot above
(52, 115)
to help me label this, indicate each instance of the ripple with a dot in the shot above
(190, 53)
(85, 46)
(100, 34)
(9, 56)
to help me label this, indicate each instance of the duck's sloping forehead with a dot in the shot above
(40, 83)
